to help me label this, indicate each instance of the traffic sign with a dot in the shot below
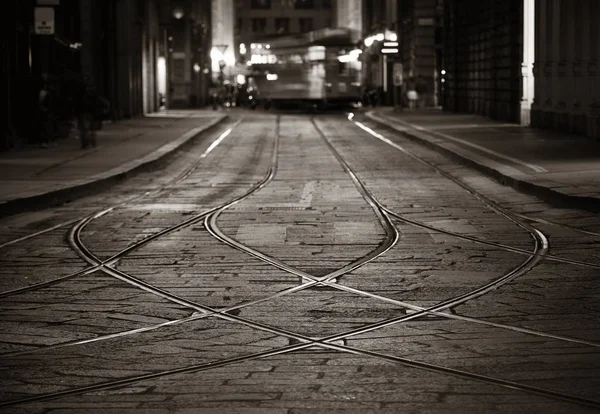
(44, 20)
(398, 74)
(221, 48)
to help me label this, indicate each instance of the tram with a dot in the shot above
(319, 68)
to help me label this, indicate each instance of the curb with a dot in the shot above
(520, 181)
(79, 188)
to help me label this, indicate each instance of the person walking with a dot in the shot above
(422, 91)
(411, 93)
(89, 110)
(46, 109)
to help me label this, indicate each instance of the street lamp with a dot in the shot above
(178, 13)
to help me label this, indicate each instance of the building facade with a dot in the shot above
(184, 43)
(566, 78)
(109, 43)
(379, 21)
(483, 53)
(419, 27)
(349, 14)
(258, 20)
(138, 54)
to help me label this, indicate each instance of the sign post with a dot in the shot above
(389, 48)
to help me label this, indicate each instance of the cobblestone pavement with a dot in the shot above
(213, 285)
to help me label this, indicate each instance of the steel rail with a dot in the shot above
(182, 176)
(134, 246)
(325, 342)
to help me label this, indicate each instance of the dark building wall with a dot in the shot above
(418, 24)
(374, 16)
(8, 138)
(119, 39)
(567, 54)
(482, 57)
(320, 14)
(26, 57)
(129, 45)
(112, 43)
(185, 43)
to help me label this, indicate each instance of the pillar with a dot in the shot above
(576, 42)
(539, 89)
(528, 60)
(223, 16)
(349, 15)
(124, 60)
(593, 81)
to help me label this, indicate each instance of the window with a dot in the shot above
(259, 25)
(304, 4)
(282, 26)
(238, 25)
(306, 25)
(260, 4)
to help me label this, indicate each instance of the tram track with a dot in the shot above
(210, 222)
(525, 219)
(95, 266)
(487, 243)
(179, 178)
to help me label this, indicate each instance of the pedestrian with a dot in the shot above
(411, 93)
(46, 109)
(90, 109)
(422, 90)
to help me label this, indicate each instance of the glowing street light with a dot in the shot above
(178, 13)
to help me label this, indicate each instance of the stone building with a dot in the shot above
(567, 54)
(258, 20)
(482, 57)
(419, 23)
(529, 61)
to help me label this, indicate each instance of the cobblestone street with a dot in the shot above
(285, 263)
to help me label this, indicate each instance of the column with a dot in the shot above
(557, 32)
(528, 59)
(548, 62)
(577, 12)
(223, 15)
(563, 81)
(539, 63)
(87, 39)
(593, 81)
(349, 15)
(124, 58)
(8, 134)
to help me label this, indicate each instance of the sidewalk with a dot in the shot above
(561, 169)
(33, 178)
